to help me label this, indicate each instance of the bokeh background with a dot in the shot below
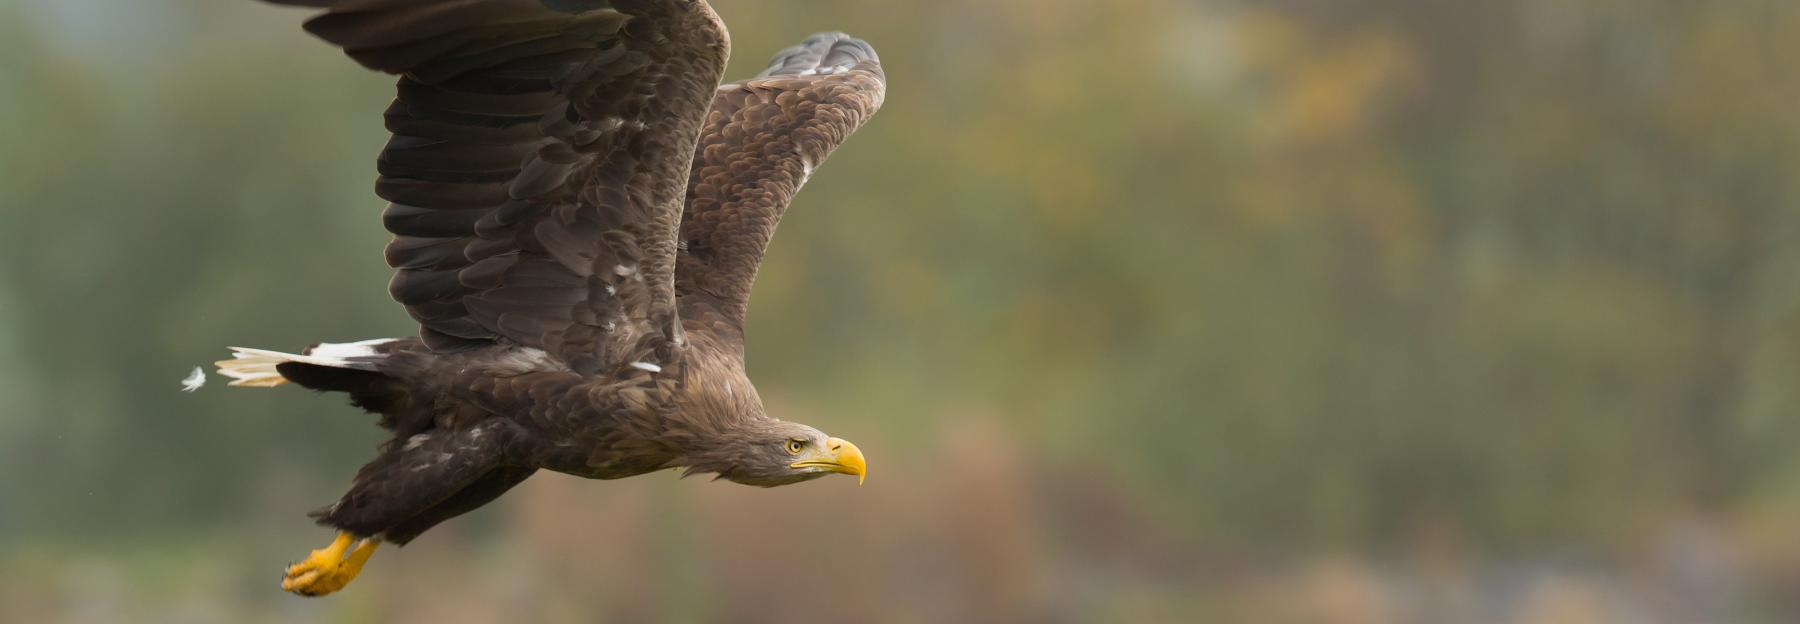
(1144, 310)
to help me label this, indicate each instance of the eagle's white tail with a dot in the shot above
(255, 368)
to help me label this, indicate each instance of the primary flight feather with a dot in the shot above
(579, 209)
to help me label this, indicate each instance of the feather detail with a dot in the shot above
(194, 380)
(764, 138)
(531, 141)
(256, 368)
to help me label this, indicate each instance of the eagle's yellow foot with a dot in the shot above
(329, 570)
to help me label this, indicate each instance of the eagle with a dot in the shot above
(578, 209)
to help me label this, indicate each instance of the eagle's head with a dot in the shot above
(777, 452)
(725, 430)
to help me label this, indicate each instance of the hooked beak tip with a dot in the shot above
(850, 459)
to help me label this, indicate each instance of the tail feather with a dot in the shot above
(260, 368)
(253, 368)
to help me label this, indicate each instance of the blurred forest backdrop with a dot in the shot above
(1144, 310)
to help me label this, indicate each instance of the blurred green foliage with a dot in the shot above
(1213, 288)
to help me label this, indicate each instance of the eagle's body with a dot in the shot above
(579, 210)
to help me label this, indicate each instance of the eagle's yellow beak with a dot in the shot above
(842, 457)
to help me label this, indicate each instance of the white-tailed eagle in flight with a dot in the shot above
(579, 208)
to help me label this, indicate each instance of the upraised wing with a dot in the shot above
(762, 140)
(538, 163)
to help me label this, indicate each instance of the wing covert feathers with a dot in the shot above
(822, 53)
(763, 139)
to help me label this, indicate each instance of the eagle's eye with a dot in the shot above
(794, 446)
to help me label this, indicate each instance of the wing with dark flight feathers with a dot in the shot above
(762, 140)
(538, 163)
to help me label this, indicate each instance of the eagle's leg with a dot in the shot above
(328, 570)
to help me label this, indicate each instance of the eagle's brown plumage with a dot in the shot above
(736, 196)
(579, 210)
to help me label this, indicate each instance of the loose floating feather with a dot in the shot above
(194, 380)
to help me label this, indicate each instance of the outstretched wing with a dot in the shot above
(538, 162)
(762, 140)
